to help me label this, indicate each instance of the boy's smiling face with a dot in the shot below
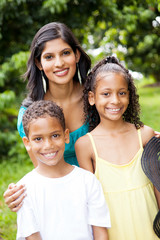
(47, 140)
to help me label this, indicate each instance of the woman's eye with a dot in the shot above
(48, 57)
(66, 52)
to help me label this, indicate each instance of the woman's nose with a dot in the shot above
(58, 61)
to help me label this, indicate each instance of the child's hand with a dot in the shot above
(14, 196)
(157, 134)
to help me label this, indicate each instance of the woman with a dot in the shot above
(56, 71)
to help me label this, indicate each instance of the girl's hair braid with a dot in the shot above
(111, 64)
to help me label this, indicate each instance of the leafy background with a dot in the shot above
(129, 29)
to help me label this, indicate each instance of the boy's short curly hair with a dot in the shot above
(40, 109)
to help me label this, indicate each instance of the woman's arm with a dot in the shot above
(14, 196)
(157, 134)
(34, 236)
(84, 152)
(100, 233)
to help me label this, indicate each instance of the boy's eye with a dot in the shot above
(106, 94)
(38, 139)
(55, 135)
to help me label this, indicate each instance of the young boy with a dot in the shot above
(63, 202)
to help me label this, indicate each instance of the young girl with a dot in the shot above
(113, 149)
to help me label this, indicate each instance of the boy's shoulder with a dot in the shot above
(86, 176)
(84, 172)
(28, 178)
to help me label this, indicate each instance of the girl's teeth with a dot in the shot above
(115, 110)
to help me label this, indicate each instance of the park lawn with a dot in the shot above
(150, 106)
(12, 172)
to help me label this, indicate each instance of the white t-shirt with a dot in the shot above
(62, 208)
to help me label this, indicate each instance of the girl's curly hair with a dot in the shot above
(111, 64)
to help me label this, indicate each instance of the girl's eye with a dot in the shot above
(122, 93)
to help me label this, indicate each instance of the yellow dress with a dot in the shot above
(130, 197)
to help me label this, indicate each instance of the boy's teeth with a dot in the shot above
(50, 154)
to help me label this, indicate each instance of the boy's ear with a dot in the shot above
(91, 99)
(66, 135)
(26, 143)
(78, 54)
(38, 64)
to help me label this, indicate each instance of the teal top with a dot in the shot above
(69, 154)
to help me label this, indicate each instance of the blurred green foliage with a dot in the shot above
(129, 29)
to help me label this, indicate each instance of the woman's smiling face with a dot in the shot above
(58, 61)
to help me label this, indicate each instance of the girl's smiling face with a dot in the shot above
(58, 61)
(111, 95)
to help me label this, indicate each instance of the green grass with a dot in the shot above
(150, 106)
(12, 172)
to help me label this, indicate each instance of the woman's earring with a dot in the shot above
(44, 83)
(79, 76)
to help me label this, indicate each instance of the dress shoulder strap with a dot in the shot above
(93, 145)
(140, 137)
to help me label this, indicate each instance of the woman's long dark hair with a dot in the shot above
(49, 32)
(111, 64)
